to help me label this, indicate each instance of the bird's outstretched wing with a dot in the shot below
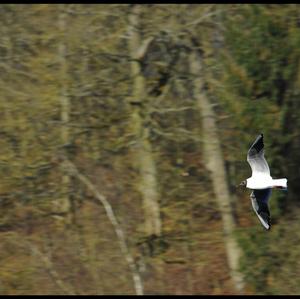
(259, 199)
(255, 157)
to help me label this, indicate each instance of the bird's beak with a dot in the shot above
(241, 184)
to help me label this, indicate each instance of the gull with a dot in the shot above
(261, 182)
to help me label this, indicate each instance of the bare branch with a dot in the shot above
(203, 17)
(167, 110)
(178, 134)
(13, 91)
(143, 48)
(50, 268)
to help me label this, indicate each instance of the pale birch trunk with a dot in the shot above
(144, 156)
(215, 164)
(64, 202)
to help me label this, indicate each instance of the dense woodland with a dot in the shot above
(124, 132)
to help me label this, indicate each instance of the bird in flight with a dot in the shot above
(261, 182)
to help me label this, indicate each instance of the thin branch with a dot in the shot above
(144, 47)
(14, 91)
(10, 69)
(203, 17)
(49, 266)
(167, 110)
(177, 135)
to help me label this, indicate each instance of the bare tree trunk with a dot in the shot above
(215, 164)
(64, 202)
(145, 161)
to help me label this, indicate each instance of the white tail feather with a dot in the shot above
(280, 183)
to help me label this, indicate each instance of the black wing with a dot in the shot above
(256, 158)
(259, 199)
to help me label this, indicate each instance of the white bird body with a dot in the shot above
(261, 181)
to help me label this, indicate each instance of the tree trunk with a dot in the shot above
(144, 155)
(215, 165)
(64, 202)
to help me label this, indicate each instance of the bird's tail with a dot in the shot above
(280, 183)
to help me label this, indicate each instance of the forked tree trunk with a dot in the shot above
(215, 165)
(70, 168)
(144, 155)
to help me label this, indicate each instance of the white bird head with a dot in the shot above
(243, 183)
